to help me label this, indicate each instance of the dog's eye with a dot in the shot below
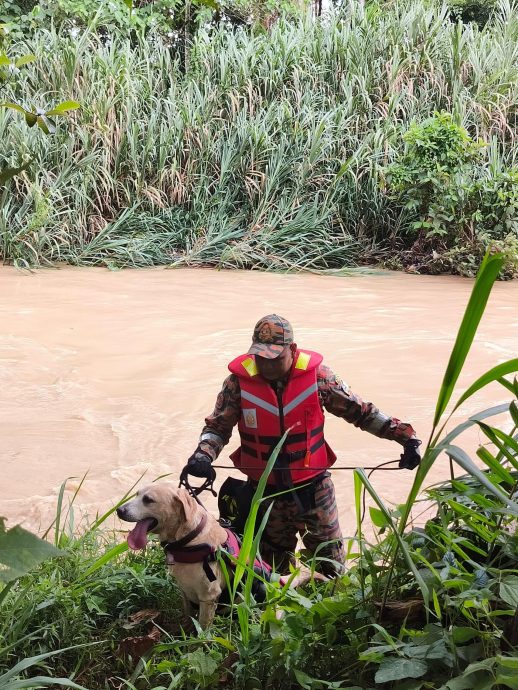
(147, 500)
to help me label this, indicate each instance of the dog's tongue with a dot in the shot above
(137, 538)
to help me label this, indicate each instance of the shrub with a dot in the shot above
(454, 204)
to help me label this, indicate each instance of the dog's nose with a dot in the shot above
(121, 511)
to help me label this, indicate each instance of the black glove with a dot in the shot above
(410, 457)
(200, 465)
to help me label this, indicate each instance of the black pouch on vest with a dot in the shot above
(234, 501)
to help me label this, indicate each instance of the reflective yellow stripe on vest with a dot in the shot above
(302, 361)
(250, 366)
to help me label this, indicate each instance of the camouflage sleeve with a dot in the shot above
(219, 425)
(338, 399)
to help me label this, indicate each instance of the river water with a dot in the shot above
(112, 373)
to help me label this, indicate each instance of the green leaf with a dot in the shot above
(25, 60)
(8, 173)
(360, 474)
(462, 458)
(508, 590)
(510, 385)
(463, 634)
(13, 106)
(46, 124)
(493, 464)
(377, 517)
(30, 118)
(493, 374)
(436, 604)
(396, 669)
(63, 108)
(42, 681)
(505, 443)
(4, 60)
(105, 558)
(202, 663)
(33, 660)
(488, 273)
(224, 643)
(21, 551)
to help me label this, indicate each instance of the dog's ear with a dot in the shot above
(189, 505)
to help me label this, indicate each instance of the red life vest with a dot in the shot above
(262, 422)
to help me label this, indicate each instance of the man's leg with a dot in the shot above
(320, 525)
(279, 539)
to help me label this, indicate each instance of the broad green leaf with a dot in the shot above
(488, 273)
(508, 590)
(25, 60)
(21, 551)
(463, 634)
(377, 517)
(397, 669)
(30, 118)
(202, 663)
(4, 60)
(13, 106)
(63, 108)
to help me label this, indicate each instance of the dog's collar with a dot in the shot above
(171, 545)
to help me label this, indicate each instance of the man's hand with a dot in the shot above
(410, 457)
(199, 465)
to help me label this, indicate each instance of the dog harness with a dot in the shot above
(267, 413)
(180, 552)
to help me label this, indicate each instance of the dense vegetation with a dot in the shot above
(434, 607)
(227, 134)
(384, 134)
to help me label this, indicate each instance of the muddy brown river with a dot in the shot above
(110, 374)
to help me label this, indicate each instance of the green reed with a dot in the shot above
(268, 153)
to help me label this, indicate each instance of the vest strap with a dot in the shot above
(287, 456)
(269, 440)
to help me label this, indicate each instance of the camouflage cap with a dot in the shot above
(272, 334)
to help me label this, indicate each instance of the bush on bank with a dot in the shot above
(269, 148)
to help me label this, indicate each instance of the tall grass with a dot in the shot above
(269, 152)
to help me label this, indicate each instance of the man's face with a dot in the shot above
(278, 368)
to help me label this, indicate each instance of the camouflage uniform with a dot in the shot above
(319, 523)
(314, 513)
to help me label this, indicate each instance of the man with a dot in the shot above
(275, 387)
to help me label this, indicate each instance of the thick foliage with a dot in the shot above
(269, 152)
